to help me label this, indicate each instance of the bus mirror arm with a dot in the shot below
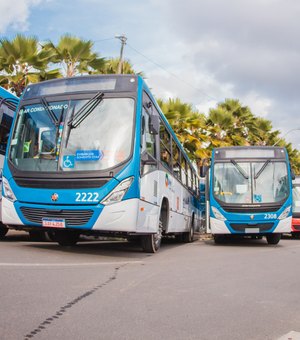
(147, 159)
(154, 124)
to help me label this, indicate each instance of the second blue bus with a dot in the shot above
(250, 193)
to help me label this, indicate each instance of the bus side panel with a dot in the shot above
(148, 217)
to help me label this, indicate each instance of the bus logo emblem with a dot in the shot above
(54, 197)
(252, 217)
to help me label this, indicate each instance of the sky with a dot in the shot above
(201, 51)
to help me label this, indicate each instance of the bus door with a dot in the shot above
(149, 164)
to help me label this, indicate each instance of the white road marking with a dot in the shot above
(290, 336)
(67, 264)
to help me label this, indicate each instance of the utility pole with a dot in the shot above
(123, 40)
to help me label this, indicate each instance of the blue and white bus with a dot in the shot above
(8, 105)
(94, 155)
(250, 193)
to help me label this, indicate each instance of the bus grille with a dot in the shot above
(72, 217)
(243, 226)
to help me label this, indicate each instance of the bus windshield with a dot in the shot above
(257, 182)
(46, 139)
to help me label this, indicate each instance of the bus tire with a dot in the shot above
(66, 238)
(273, 238)
(296, 235)
(3, 230)
(37, 236)
(220, 238)
(151, 243)
(188, 237)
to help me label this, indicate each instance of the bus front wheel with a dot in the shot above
(151, 243)
(273, 238)
(220, 238)
(3, 230)
(66, 238)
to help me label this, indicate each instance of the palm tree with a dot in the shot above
(111, 67)
(75, 56)
(188, 125)
(23, 61)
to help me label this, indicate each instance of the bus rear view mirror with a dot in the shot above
(203, 170)
(154, 125)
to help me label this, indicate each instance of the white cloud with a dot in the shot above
(15, 15)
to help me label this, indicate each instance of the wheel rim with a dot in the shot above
(158, 236)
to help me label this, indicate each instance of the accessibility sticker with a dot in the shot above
(69, 161)
(88, 155)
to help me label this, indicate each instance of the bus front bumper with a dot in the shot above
(129, 216)
(260, 227)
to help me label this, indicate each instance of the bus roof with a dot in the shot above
(79, 84)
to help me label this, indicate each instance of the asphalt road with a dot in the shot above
(112, 290)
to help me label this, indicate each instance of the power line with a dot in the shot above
(96, 41)
(171, 73)
(161, 67)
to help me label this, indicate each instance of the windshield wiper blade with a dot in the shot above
(49, 111)
(262, 169)
(85, 110)
(240, 169)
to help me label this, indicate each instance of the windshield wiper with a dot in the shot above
(262, 169)
(240, 169)
(49, 111)
(85, 110)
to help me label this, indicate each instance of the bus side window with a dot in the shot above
(176, 160)
(183, 171)
(165, 146)
(190, 180)
(147, 142)
(5, 126)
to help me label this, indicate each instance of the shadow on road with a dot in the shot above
(242, 242)
(90, 246)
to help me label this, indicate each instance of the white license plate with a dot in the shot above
(251, 230)
(53, 223)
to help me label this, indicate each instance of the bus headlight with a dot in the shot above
(285, 213)
(7, 191)
(217, 214)
(118, 192)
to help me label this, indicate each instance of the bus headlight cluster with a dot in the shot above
(118, 192)
(217, 214)
(285, 213)
(7, 191)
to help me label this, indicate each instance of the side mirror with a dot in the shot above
(203, 170)
(147, 159)
(293, 175)
(154, 125)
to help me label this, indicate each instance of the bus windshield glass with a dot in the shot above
(257, 182)
(45, 137)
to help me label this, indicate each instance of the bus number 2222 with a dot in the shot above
(87, 197)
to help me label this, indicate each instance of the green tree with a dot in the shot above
(188, 125)
(75, 56)
(111, 67)
(23, 61)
